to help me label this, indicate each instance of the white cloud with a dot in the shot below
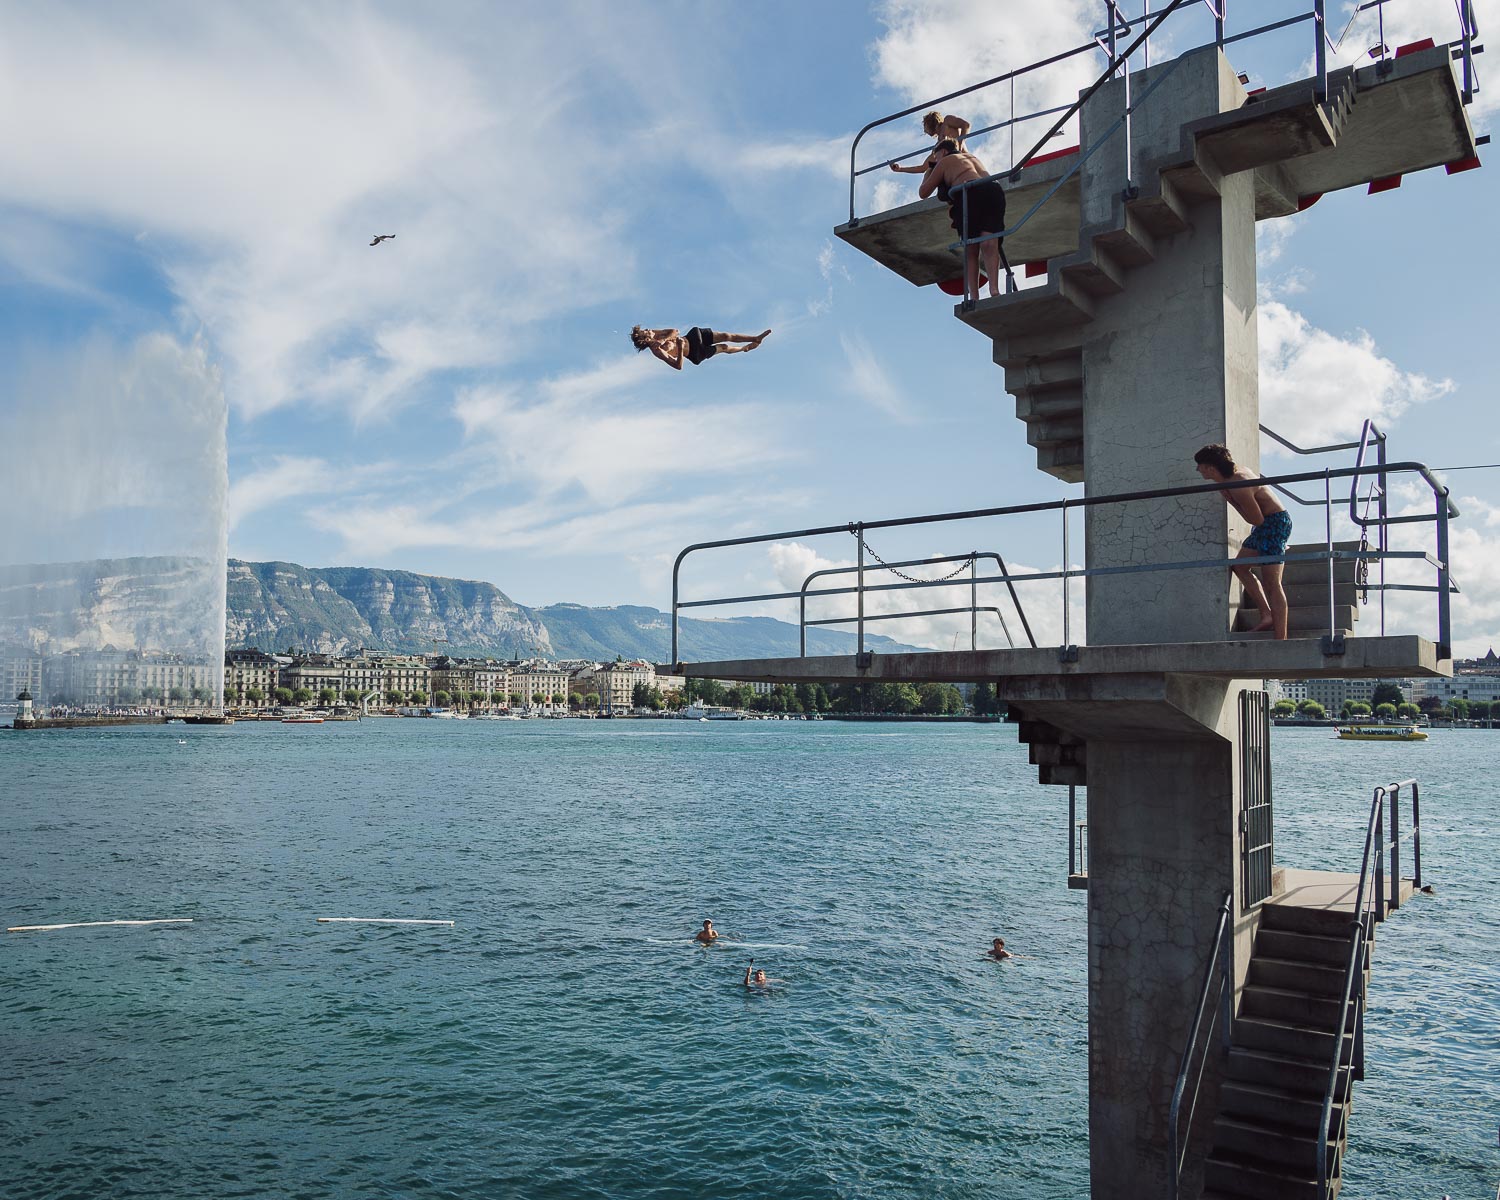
(1316, 387)
(259, 186)
(870, 381)
(1409, 21)
(575, 432)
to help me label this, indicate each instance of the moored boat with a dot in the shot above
(1381, 733)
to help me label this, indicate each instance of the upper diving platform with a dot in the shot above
(1378, 123)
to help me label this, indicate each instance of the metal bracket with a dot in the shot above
(1131, 193)
(864, 660)
(1067, 654)
(1332, 644)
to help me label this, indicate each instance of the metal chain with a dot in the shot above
(958, 570)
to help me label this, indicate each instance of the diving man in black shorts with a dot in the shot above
(695, 345)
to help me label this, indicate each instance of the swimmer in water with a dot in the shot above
(998, 952)
(756, 980)
(708, 935)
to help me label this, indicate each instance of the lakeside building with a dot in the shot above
(20, 671)
(250, 670)
(615, 683)
(109, 677)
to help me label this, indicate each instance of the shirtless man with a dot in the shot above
(936, 125)
(1272, 527)
(707, 935)
(998, 952)
(697, 345)
(756, 979)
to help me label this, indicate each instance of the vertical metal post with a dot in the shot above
(1416, 834)
(1444, 642)
(1396, 846)
(1067, 635)
(974, 601)
(802, 623)
(1012, 122)
(1219, 23)
(676, 568)
(1146, 45)
(1384, 511)
(1226, 989)
(1379, 859)
(1072, 830)
(1320, 52)
(859, 534)
(1328, 546)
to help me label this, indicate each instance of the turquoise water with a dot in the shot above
(565, 1039)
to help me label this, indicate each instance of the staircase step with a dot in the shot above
(1302, 619)
(1275, 1148)
(1054, 431)
(1305, 1077)
(1315, 979)
(1061, 401)
(1076, 775)
(1301, 919)
(1238, 1177)
(1290, 1007)
(1297, 1113)
(1295, 945)
(1285, 1038)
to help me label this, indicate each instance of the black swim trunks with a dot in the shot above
(986, 209)
(700, 344)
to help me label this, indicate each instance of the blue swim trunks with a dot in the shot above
(1270, 536)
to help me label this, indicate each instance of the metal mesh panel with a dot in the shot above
(1256, 842)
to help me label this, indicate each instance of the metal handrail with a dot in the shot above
(973, 581)
(1444, 509)
(1221, 963)
(1376, 901)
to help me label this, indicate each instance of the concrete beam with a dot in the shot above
(1395, 656)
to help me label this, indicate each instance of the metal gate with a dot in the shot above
(1256, 842)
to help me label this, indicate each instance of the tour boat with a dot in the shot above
(1381, 733)
(302, 720)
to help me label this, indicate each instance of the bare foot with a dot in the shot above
(1264, 625)
(759, 338)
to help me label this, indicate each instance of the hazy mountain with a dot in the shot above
(143, 603)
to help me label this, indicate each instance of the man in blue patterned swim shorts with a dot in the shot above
(1272, 528)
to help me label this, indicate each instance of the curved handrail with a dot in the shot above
(1179, 1150)
(916, 562)
(1439, 490)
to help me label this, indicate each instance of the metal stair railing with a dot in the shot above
(1219, 966)
(1444, 509)
(1371, 902)
(973, 608)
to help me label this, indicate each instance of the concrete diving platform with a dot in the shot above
(1404, 655)
(1379, 122)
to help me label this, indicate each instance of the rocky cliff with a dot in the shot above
(160, 603)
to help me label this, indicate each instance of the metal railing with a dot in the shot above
(1219, 968)
(974, 608)
(1078, 836)
(1119, 62)
(1443, 511)
(1370, 906)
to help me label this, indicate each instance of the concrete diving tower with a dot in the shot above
(1140, 348)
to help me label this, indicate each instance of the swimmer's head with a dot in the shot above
(932, 122)
(760, 975)
(999, 943)
(639, 338)
(946, 146)
(708, 924)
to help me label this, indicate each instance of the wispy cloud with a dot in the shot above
(868, 380)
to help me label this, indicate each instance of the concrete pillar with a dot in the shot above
(1169, 365)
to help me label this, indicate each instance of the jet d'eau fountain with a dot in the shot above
(112, 560)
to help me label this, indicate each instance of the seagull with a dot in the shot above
(381, 237)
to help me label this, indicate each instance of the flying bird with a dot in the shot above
(381, 237)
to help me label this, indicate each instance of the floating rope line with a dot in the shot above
(378, 921)
(958, 570)
(96, 924)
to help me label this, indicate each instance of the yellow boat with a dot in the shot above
(1381, 733)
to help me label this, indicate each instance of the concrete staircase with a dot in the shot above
(1047, 381)
(1266, 1136)
(1306, 586)
(1059, 757)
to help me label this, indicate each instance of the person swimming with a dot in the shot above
(756, 979)
(997, 951)
(708, 935)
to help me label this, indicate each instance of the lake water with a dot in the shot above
(564, 1038)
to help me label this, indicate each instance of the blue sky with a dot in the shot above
(463, 400)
